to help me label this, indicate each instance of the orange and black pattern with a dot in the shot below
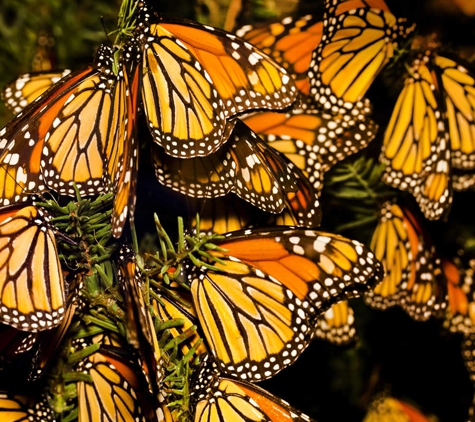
(359, 39)
(414, 278)
(216, 397)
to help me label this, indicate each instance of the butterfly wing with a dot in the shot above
(253, 324)
(337, 325)
(458, 86)
(245, 166)
(184, 111)
(27, 87)
(24, 408)
(195, 77)
(313, 140)
(468, 353)
(167, 310)
(395, 244)
(32, 289)
(14, 342)
(302, 207)
(221, 215)
(356, 45)
(463, 181)
(318, 267)
(290, 42)
(61, 138)
(116, 390)
(245, 78)
(111, 395)
(48, 344)
(215, 398)
(415, 145)
(427, 294)
(460, 310)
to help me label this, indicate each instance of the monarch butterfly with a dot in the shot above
(80, 131)
(313, 140)
(290, 42)
(216, 397)
(274, 283)
(140, 327)
(24, 408)
(337, 324)
(414, 279)
(253, 324)
(460, 315)
(437, 136)
(321, 267)
(48, 343)
(359, 38)
(416, 146)
(222, 215)
(395, 243)
(195, 77)
(390, 409)
(32, 289)
(245, 165)
(117, 390)
(29, 86)
(14, 342)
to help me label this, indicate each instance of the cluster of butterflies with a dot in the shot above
(421, 280)
(251, 123)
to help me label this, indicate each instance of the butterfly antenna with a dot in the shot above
(105, 31)
(190, 205)
(204, 203)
